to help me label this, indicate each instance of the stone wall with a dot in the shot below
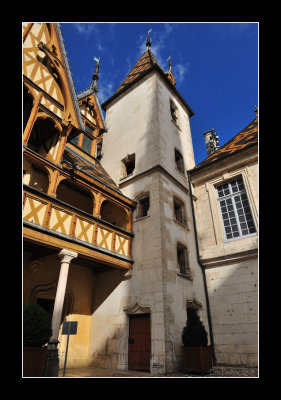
(231, 266)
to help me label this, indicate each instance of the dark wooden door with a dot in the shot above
(139, 342)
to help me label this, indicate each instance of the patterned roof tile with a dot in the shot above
(243, 139)
(146, 61)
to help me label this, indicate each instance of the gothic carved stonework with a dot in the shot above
(137, 308)
(193, 303)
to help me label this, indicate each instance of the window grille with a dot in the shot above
(235, 209)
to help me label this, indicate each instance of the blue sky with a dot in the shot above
(215, 67)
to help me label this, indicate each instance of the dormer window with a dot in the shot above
(89, 129)
(87, 144)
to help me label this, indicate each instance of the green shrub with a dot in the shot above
(194, 333)
(36, 326)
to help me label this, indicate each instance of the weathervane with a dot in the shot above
(170, 63)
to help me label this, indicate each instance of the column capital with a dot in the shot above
(67, 255)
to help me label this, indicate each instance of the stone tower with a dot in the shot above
(147, 150)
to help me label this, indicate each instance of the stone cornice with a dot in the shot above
(231, 162)
(229, 258)
(155, 168)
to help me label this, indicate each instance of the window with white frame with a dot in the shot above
(235, 209)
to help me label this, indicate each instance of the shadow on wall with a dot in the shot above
(233, 296)
(86, 291)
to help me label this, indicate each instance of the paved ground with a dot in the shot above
(218, 371)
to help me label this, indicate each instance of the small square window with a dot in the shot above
(128, 165)
(182, 259)
(174, 112)
(179, 211)
(179, 161)
(143, 207)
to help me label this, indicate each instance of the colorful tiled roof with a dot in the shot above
(145, 64)
(245, 138)
(146, 61)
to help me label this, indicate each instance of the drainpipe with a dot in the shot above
(204, 274)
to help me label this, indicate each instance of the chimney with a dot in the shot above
(211, 140)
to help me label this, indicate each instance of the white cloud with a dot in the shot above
(160, 42)
(179, 72)
(85, 29)
(105, 90)
(100, 47)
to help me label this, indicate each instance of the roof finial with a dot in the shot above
(148, 42)
(256, 111)
(170, 63)
(95, 76)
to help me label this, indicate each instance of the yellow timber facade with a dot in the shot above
(74, 216)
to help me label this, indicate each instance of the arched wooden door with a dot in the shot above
(139, 342)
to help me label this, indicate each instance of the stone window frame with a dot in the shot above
(188, 272)
(174, 111)
(214, 206)
(239, 225)
(183, 209)
(128, 158)
(181, 171)
(138, 199)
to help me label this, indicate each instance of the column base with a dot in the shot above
(51, 367)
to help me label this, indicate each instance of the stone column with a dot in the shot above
(52, 361)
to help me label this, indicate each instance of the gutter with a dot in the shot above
(203, 273)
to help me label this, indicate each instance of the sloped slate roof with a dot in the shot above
(245, 138)
(84, 165)
(69, 75)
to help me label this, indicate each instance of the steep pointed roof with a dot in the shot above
(242, 140)
(69, 75)
(145, 63)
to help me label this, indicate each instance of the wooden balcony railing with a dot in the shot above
(55, 215)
